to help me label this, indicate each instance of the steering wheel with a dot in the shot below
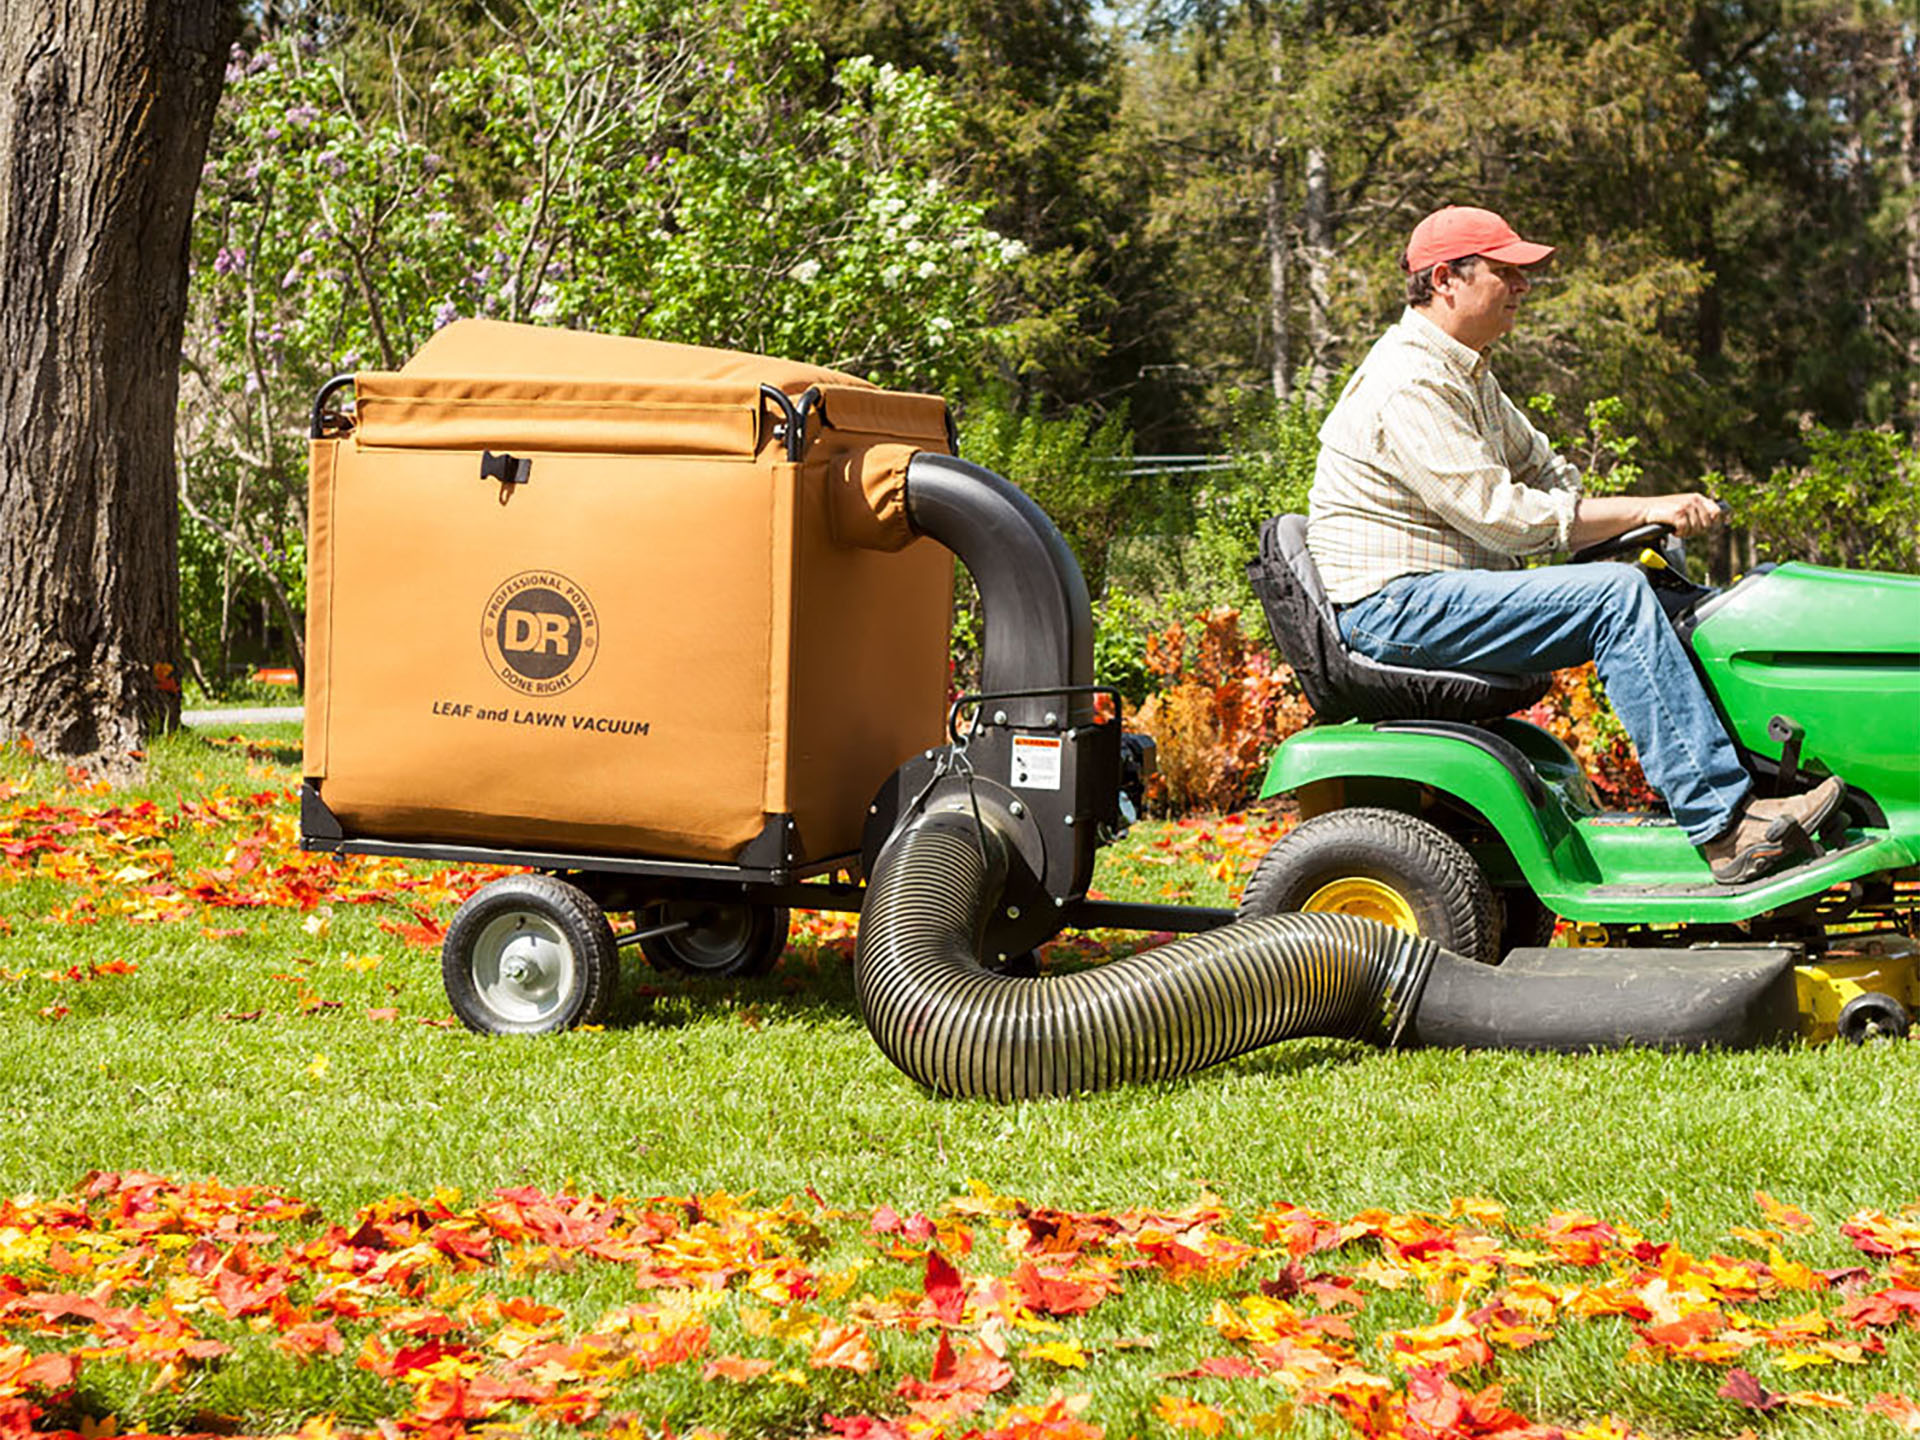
(1627, 542)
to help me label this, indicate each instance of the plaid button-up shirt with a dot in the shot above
(1426, 465)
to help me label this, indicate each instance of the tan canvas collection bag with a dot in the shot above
(571, 593)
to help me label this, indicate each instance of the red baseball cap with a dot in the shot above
(1456, 231)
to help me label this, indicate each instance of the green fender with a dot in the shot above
(1331, 766)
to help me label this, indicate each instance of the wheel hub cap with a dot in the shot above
(1368, 899)
(522, 968)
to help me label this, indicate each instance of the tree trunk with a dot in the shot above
(1275, 239)
(1906, 67)
(1318, 252)
(105, 109)
(1274, 231)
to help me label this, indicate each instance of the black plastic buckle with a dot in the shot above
(507, 469)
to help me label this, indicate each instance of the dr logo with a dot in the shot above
(539, 633)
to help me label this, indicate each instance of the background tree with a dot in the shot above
(1037, 86)
(104, 112)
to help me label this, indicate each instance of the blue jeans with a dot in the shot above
(1517, 622)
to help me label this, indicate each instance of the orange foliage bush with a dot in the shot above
(1221, 707)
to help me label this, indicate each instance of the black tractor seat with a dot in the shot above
(1342, 684)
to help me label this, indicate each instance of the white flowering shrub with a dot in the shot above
(651, 167)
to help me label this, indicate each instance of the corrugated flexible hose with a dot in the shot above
(954, 1025)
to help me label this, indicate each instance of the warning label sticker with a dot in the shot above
(1036, 762)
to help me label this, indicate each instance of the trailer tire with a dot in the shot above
(529, 955)
(734, 942)
(1381, 865)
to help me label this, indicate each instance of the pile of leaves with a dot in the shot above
(993, 1319)
(118, 858)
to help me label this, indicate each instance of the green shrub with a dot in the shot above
(1074, 465)
(1274, 446)
(1855, 503)
(1122, 622)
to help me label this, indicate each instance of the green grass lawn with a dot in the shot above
(156, 1016)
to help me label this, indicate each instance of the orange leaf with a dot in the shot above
(842, 1347)
(1056, 1295)
(1899, 1409)
(1187, 1414)
(1787, 1217)
(736, 1368)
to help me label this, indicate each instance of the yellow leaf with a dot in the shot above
(1817, 1399)
(1057, 1352)
(1480, 1210)
(1800, 1359)
(318, 1067)
(1791, 1274)
(1276, 1421)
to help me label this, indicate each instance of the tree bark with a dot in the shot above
(1274, 231)
(1318, 254)
(105, 109)
(1274, 237)
(1906, 67)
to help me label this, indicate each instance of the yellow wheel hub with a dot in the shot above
(1368, 899)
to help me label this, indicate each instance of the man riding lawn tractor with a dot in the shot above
(1403, 600)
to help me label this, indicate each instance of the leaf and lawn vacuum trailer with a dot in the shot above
(668, 626)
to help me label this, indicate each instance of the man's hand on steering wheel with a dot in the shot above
(1622, 525)
(1686, 515)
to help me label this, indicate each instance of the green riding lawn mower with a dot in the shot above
(1427, 805)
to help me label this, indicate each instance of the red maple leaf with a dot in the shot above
(1685, 1331)
(945, 1290)
(425, 933)
(1438, 1407)
(1742, 1387)
(1055, 1294)
(956, 1385)
(1882, 1307)
(865, 1427)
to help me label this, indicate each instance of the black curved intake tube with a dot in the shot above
(952, 1024)
(1038, 619)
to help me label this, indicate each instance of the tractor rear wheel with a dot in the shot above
(1381, 865)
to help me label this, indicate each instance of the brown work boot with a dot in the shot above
(1765, 832)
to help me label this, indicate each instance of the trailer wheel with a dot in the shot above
(1381, 865)
(722, 941)
(529, 955)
